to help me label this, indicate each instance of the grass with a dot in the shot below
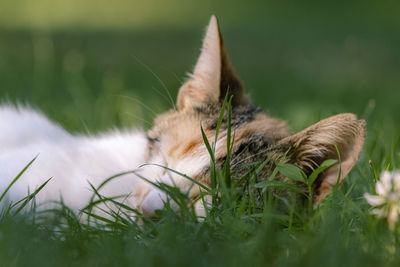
(299, 65)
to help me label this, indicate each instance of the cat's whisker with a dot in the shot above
(176, 77)
(238, 155)
(139, 102)
(138, 118)
(85, 126)
(161, 94)
(158, 78)
(254, 155)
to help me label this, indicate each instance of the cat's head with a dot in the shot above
(176, 140)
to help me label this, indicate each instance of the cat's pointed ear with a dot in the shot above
(317, 143)
(213, 75)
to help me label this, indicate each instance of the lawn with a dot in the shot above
(301, 63)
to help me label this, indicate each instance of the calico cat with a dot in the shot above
(175, 141)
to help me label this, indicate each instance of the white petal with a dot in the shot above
(381, 189)
(374, 200)
(386, 179)
(397, 181)
(378, 212)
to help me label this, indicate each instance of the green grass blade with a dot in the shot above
(227, 165)
(324, 165)
(278, 184)
(103, 219)
(17, 177)
(220, 118)
(31, 196)
(292, 172)
(210, 149)
(176, 172)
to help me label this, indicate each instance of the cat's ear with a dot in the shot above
(312, 146)
(213, 75)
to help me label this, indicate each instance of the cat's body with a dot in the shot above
(70, 160)
(175, 141)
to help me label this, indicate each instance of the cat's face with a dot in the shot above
(176, 139)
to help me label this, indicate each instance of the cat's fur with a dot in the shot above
(175, 141)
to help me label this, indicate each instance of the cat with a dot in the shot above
(175, 141)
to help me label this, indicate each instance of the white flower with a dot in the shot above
(387, 200)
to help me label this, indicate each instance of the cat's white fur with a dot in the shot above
(70, 160)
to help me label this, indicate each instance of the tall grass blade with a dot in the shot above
(17, 177)
(31, 196)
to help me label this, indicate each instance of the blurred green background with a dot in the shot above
(92, 65)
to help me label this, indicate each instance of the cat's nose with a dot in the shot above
(155, 200)
(146, 212)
